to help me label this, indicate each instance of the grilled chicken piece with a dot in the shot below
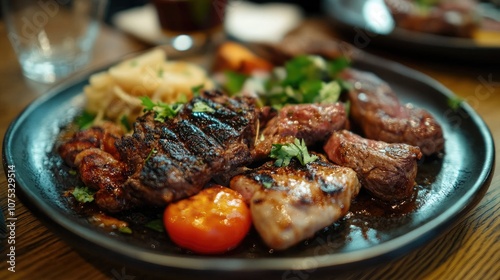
(380, 115)
(174, 159)
(311, 122)
(387, 171)
(290, 204)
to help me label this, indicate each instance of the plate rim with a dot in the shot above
(408, 240)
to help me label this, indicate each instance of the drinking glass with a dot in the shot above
(52, 38)
(190, 25)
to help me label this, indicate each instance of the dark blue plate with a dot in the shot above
(447, 188)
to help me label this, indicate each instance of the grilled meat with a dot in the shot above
(93, 153)
(99, 170)
(447, 18)
(376, 109)
(102, 137)
(387, 171)
(289, 204)
(311, 122)
(174, 159)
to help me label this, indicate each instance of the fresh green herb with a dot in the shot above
(302, 68)
(125, 230)
(197, 90)
(202, 107)
(347, 106)
(134, 63)
(72, 172)
(334, 67)
(156, 225)
(234, 81)
(283, 153)
(83, 194)
(85, 120)
(182, 99)
(160, 73)
(426, 3)
(329, 93)
(153, 151)
(267, 185)
(305, 79)
(454, 102)
(124, 121)
(162, 110)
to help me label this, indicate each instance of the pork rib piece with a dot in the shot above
(174, 159)
(375, 108)
(311, 122)
(387, 171)
(290, 204)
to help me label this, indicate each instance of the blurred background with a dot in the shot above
(115, 6)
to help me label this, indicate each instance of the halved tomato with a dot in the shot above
(213, 221)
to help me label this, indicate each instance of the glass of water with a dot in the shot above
(52, 38)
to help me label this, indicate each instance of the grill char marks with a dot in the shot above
(289, 204)
(174, 159)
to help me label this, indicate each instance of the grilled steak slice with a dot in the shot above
(375, 108)
(289, 204)
(387, 171)
(311, 122)
(174, 159)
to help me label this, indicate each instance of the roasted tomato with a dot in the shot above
(213, 221)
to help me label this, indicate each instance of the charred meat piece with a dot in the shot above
(387, 171)
(290, 204)
(93, 153)
(174, 159)
(102, 137)
(376, 109)
(311, 122)
(99, 170)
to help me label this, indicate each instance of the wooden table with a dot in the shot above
(470, 250)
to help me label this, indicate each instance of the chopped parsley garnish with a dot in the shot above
(454, 102)
(196, 90)
(283, 153)
(124, 121)
(153, 151)
(83, 194)
(156, 225)
(234, 81)
(202, 107)
(306, 79)
(125, 230)
(161, 110)
(84, 120)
